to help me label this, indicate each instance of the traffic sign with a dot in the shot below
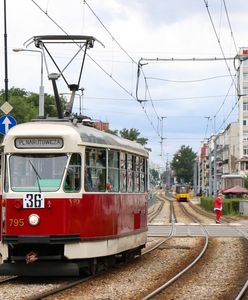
(6, 108)
(6, 122)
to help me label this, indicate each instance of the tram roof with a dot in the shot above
(86, 135)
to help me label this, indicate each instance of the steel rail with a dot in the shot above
(61, 288)
(225, 221)
(193, 263)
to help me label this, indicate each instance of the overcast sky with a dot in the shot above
(194, 99)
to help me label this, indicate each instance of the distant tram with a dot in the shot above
(73, 197)
(182, 192)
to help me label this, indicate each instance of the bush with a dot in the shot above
(230, 206)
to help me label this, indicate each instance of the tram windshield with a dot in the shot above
(36, 172)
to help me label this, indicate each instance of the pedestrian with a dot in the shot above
(218, 207)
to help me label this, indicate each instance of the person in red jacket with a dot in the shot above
(218, 207)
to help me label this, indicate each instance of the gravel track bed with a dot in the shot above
(25, 288)
(136, 279)
(220, 275)
(180, 215)
(203, 219)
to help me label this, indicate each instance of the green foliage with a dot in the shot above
(133, 135)
(24, 108)
(114, 132)
(183, 164)
(246, 182)
(207, 203)
(26, 104)
(154, 173)
(230, 206)
(130, 134)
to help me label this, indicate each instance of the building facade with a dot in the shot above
(243, 112)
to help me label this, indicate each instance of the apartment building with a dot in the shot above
(227, 152)
(243, 112)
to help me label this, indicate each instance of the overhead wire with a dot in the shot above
(230, 27)
(187, 81)
(132, 60)
(223, 54)
(166, 99)
(217, 37)
(98, 64)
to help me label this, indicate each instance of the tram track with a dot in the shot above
(224, 220)
(133, 280)
(200, 212)
(188, 267)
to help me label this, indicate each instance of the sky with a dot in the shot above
(180, 102)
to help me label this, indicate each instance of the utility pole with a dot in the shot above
(209, 170)
(195, 177)
(199, 174)
(162, 133)
(6, 96)
(215, 167)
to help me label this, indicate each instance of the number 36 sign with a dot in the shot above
(33, 200)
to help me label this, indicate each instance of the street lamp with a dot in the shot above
(41, 92)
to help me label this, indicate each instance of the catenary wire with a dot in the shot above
(109, 75)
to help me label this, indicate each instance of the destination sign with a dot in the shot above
(35, 143)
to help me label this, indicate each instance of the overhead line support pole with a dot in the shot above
(5, 54)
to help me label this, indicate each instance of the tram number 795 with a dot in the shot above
(33, 200)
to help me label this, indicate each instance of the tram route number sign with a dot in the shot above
(33, 200)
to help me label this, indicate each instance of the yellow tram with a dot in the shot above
(182, 192)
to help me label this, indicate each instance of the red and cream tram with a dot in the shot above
(72, 196)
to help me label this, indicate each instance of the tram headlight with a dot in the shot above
(33, 220)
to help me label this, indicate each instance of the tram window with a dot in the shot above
(6, 177)
(73, 176)
(136, 175)
(123, 178)
(142, 175)
(43, 172)
(95, 170)
(130, 176)
(113, 170)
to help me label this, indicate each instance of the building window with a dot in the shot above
(245, 63)
(245, 152)
(245, 91)
(245, 76)
(244, 165)
(245, 122)
(245, 106)
(245, 136)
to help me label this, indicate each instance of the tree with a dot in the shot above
(133, 135)
(26, 104)
(154, 177)
(24, 108)
(114, 132)
(183, 164)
